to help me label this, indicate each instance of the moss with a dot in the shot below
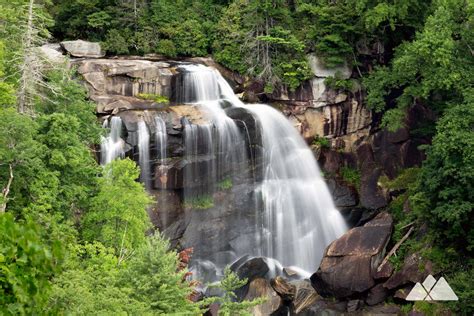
(154, 97)
(350, 175)
(430, 308)
(321, 142)
(225, 184)
(200, 203)
(403, 181)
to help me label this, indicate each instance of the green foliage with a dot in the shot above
(461, 283)
(228, 304)
(321, 142)
(434, 69)
(405, 179)
(257, 38)
(151, 277)
(200, 203)
(430, 308)
(225, 184)
(118, 216)
(155, 97)
(96, 282)
(337, 83)
(444, 196)
(350, 175)
(88, 284)
(26, 265)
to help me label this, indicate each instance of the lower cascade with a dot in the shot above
(250, 185)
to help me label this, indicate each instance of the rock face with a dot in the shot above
(81, 48)
(116, 85)
(320, 70)
(260, 288)
(350, 262)
(53, 54)
(414, 269)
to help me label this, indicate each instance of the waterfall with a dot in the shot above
(219, 144)
(112, 146)
(299, 217)
(144, 153)
(286, 211)
(160, 138)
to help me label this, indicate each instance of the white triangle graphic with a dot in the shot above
(417, 293)
(443, 292)
(429, 282)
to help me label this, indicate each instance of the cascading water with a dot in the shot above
(160, 138)
(112, 146)
(219, 144)
(144, 153)
(290, 214)
(299, 218)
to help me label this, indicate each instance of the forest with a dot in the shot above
(75, 236)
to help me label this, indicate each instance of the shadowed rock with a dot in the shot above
(350, 262)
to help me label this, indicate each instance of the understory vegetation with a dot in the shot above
(73, 234)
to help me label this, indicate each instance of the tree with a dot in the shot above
(445, 195)
(26, 265)
(16, 142)
(228, 302)
(152, 276)
(118, 216)
(88, 284)
(255, 37)
(434, 69)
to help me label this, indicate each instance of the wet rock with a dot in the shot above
(376, 295)
(260, 288)
(326, 308)
(354, 305)
(414, 269)
(343, 195)
(330, 161)
(251, 268)
(305, 296)
(283, 288)
(371, 195)
(349, 262)
(80, 48)
(234, 78)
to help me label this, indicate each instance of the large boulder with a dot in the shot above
(414, 269)
(260, 288)
(350, 262)
(53, 55)
(80, 48)
(305, 296)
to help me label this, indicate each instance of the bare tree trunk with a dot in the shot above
(6, 191)
(27, 61)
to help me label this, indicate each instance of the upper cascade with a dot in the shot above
(299, 218)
